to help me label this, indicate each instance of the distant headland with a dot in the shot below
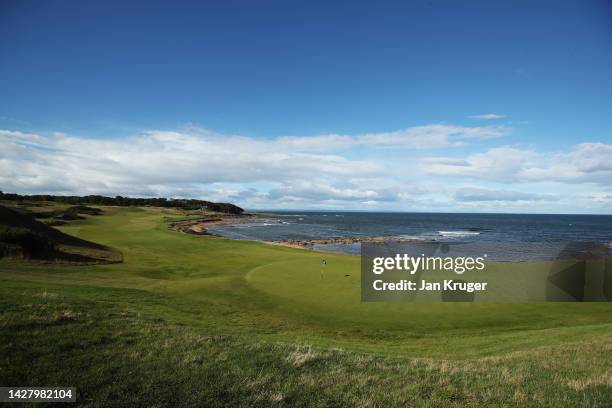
(187, 204)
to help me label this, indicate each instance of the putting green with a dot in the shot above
(332, 298)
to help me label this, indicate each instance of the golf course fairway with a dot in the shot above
(202, 320)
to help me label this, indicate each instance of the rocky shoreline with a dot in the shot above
(200, 226)
(297, 243)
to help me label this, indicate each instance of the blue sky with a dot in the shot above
(77, 74)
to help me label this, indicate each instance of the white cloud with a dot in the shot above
(374, 170)
(583, 163)
(501, 164)
(600, 197)
(197, 156)
(487, 116)
(158, 158)
(417, 137)
(500, 196)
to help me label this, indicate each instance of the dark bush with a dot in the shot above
(10, 250)
(83, 209)
(33, 244)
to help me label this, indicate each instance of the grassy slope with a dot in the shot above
(219, 320)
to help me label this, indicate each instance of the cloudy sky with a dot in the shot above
(426, 107)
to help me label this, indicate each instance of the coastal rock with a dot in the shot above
(339, 240)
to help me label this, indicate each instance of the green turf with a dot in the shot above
(250, 323)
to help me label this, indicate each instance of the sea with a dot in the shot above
(502, 236)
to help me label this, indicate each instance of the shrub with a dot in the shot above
(33, 244)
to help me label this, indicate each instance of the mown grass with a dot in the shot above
(206, 321)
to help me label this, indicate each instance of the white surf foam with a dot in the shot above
(458, 233)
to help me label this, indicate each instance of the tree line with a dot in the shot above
(187, 204)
